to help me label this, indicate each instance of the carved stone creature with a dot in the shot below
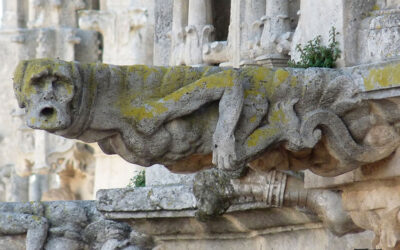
(326, 119)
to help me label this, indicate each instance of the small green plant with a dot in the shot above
(138, 180)
(316, 55)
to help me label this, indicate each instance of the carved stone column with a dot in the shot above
(53, 13)
(38, 181)
(276, 28)
(200, 13)
(179, 22)
(14, 14)
(198, 31)
(251, 31)
(127, 36)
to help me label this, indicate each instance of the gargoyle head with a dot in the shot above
(47, 88)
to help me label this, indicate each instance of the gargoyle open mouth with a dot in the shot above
(49, 116)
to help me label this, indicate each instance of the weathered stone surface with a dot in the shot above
(259, 109)
(177, 197)
(65, 225)
(158, 175)
(378, 35)
(214, 193)
(374, 205)
(386, 169)
(81, 226)
(127, 32)
(307, 237)
(258, 29)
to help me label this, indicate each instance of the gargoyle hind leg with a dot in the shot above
(224, 86)
(283, 125)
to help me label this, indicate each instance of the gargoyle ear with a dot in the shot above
(18, 81)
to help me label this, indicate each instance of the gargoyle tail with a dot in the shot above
(349, 153)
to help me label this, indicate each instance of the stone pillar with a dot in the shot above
(179, 22)
(14, 14)
(276, 26)
(38, 181)
(163, 25)
(35, 29)
(128, 35)
(37, 186)
(198, 31)
(251, 31)
(19, 188)
(200, 13)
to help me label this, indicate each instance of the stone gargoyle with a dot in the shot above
(328, 120)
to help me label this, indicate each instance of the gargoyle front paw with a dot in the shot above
(224, 154)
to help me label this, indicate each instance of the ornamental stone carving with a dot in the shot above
(331, 121)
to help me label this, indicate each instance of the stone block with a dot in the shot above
(158, 175)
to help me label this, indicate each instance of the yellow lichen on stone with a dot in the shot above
(260, 77)
(387, 76)
(148, 111)
(177, 77)
(143, 70)
(276, 119)
(26, 70)
(280, 77)
(293, 81)
(219, 80)
(261, 135)
(253, 119)
(278, 116)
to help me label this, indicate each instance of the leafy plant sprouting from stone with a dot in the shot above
(316, 55)
(138, 180)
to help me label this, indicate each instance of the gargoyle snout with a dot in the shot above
(50, 116)
(47, 112)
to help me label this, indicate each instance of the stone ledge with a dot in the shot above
(175, 213)
(177, 197)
